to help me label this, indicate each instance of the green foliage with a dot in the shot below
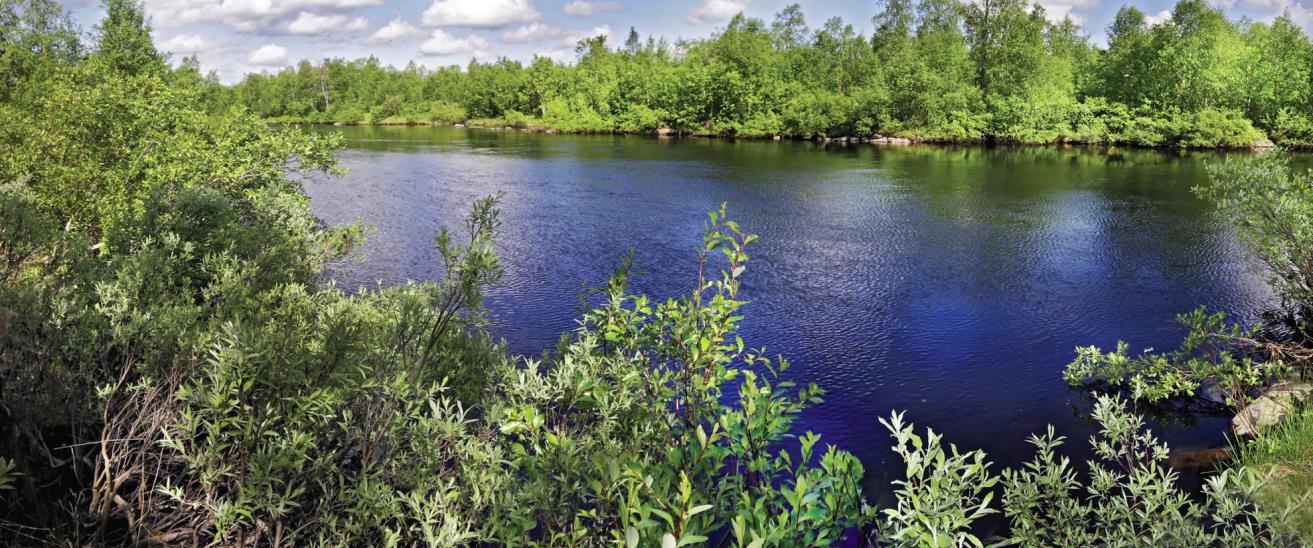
(1284, 451)
(1215, 128)
(932, 70)
(442, 112)
(943, 494)
(1129, 498)
(1214, 352)
(1272, 209)
(161, 304)
(124, 39)
(1132, 498)
(1271, 206)
(36, 38)
(162, 316)
(7, 474)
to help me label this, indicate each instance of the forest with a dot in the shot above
(174, 369)
(932, 70)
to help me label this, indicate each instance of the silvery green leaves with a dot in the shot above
(1130, 497)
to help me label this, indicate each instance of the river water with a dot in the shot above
(950, 283)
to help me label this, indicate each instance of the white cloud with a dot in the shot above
(1162, 17)
(1298, 12)
(243, 15)
(443, 43)
(715, 11)
(603, 30)
(479, 14)
(271, 55)
(560, 55)
(186, 44)
(309, 23)
(1301, 15)
(396, 29)
(533, 32)
(584, 8)
(1056, 10)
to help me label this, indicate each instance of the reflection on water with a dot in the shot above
(950, 283)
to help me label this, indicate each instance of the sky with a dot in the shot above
(236, 37)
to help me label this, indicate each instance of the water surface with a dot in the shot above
(950, 283)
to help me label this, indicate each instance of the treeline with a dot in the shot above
(932, 70)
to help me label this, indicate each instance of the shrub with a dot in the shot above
(1291, 128)
(1131, 497)
(1271, 206)
(1228, 356)
(1215, 128)
(515, 119)
(442, 112)
(639, 119)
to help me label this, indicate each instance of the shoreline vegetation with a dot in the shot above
(174, 371)
(1245, 137)
(931, 71)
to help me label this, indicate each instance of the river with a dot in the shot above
(951, 283)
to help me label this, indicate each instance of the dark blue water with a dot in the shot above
(953, 284)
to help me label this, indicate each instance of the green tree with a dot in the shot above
(123, 39)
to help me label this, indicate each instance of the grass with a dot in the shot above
(1287, 448)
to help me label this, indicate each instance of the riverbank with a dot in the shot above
(1207, 130)
(1286, 452)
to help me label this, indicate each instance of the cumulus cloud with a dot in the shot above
(396, 29)
(479, 14)
(1301, 15)
(584, 8)
(185, 44)
(603, 30)
(1161, 17)
(1296, 9)
(243, 15)
(533, 32)
(565, 38)
(310, 23)
(271, 55)
(715, 11)
(1057, 10)
(444, 43)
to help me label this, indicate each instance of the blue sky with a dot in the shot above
(234, 37)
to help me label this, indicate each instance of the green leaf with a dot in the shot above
(691, 539)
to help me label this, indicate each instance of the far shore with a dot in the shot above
(878, 140)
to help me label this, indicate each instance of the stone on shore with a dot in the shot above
(1270, 408)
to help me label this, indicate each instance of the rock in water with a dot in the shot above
(1212, 392)
(1206, 459)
